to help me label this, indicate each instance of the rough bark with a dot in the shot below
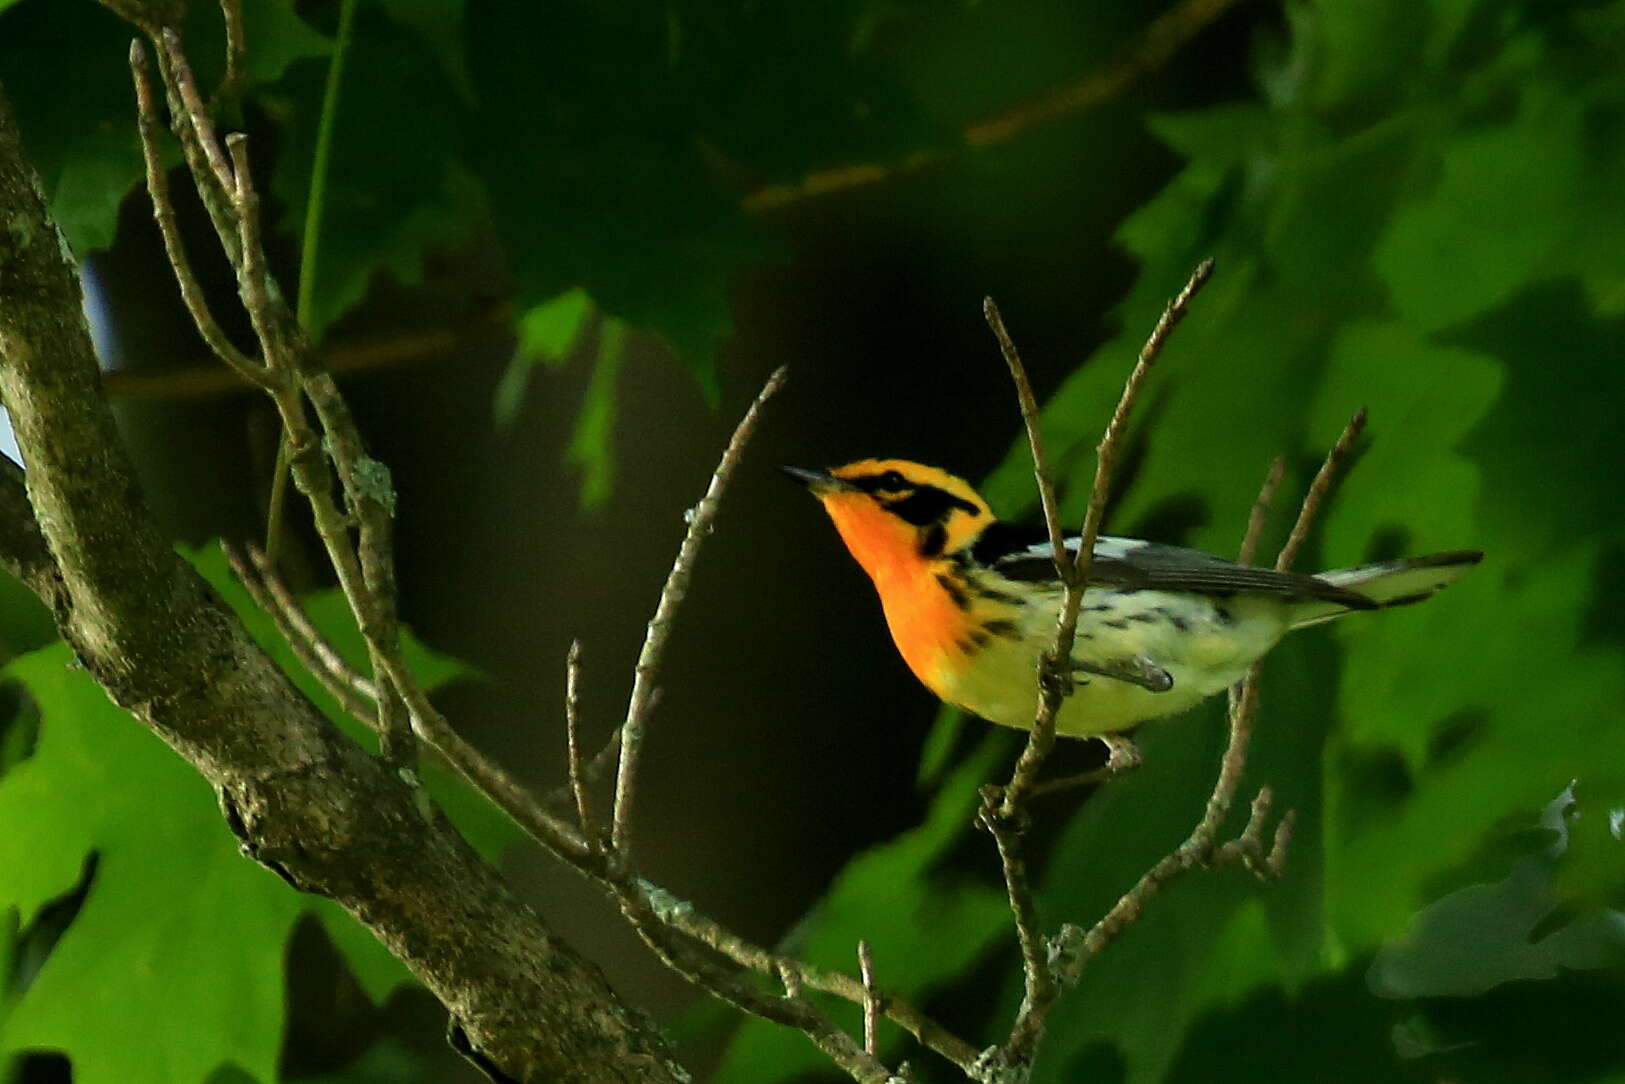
(305, 800)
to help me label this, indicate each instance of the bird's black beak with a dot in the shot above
(818, 482)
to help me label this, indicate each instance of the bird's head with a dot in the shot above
(893, 513)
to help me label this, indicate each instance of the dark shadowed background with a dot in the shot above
(1413, 206)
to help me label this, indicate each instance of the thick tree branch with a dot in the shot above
(306, 801)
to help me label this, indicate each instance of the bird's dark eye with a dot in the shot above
(891, 481)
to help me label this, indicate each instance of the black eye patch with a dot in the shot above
(927, 505)
(887, 482)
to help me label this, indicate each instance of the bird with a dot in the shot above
(973, 602)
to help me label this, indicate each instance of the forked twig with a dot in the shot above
(163, 210)
(1004, 811)
(1055, 678)
(355, 692)
(1200, 847)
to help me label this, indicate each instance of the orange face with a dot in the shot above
(885, 546)
(896, 516)
(902, 522)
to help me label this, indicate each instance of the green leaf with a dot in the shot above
(1484, 935)
(431, 198)
(592, 444)
(595, 175)
(174, 915)
(383, 1063)
(1503, 203)
(25, 623)
(275, 38)
(441, 25)
(80, 133)
(547, 334)
(1352, 225)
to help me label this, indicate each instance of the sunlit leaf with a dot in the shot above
(175, 915)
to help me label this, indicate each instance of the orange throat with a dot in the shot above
(925, 620)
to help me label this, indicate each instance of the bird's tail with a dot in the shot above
(1389, 583)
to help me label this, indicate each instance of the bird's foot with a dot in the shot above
(1122, 755)
(1138, 670)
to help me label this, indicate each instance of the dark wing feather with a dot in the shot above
(1129, 565)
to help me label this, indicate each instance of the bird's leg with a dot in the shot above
(1122, 754)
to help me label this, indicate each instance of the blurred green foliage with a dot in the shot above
(1416, 208)
(1413, 226)
(128, 892)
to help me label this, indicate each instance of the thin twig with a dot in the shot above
(1090, 778)
(266, 311)
(354, 691)
(236, 74)
(792, 1010)
(215, 196)
(1039, 984)
(163, 210)
(647, 670)
(1259, 516)
(369, 497)
(1319, 488)
(1107, 450)
(572, 732)
(1032, 422)
(278, 500)
(1256, 521)
(592, 772)
(871, 1000)
(367, 576)
(930, 1033)
(197, 113)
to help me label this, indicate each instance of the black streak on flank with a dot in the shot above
(970, 645)
(1115, 623)
(994, 595)
(1224, 615)
(1143, 618)
(1006, 629)
(955, 592)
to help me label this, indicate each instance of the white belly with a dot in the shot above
(1205, 644)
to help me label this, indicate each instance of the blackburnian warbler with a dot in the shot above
(972, 602)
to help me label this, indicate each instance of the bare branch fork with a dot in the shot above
(1050, 965)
